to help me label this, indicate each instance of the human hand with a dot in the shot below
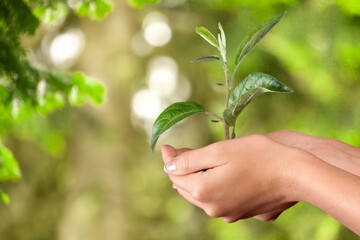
(331, 151)
(235, 179)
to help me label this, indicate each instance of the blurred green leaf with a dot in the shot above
(51, 13)
(85, 88)
(18, 18)
(142, 3)
(4, 198)
(207, 35)
(20, 81)
(349, 6)
(206, 58)
(9, 168)
(252, 86)
(51, 102)
(250, 40)
(172, 115)
(95, 9)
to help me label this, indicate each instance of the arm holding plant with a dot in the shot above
(262, 175)
(259, 176)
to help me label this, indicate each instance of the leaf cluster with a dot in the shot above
(25, 90)
(237, 98)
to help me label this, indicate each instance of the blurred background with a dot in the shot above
(88, 173)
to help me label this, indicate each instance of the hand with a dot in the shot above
(261, 175)
(332, 151)
(235, 179)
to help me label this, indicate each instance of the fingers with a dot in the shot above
(169, 153)
(190, 183)
(271, 216)
(268, 217)
(191, 161)
(208, 208)
(188, 196)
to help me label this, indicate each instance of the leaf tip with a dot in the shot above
(197, 29)
(153, 144)
(287, 89)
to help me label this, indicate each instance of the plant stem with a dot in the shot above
(227, 93)
(226, 127)
(227, 82)
(233, 133)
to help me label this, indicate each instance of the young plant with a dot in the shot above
(237, 98)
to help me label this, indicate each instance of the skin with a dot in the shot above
(260, 176)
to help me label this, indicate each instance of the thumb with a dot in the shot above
(191, 161)
(168, 153)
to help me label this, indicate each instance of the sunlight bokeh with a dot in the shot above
(66, 47)
(157, 31)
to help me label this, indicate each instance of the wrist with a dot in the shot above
(300, 174)
(331, 189)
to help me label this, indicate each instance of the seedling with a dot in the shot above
(237, 98)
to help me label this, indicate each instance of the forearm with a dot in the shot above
(344, 156)
(331, 189)
(334, 152)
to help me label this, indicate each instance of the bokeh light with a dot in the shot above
(41, 88)
(146, 104)
(162, 75)
(66, 47)
(157, 31)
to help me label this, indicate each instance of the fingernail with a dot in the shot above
(170, 167)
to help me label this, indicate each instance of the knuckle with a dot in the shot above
(217, 152)
(265, 218)
(229, 219)
(260, 139)
(213, 212)
(200, 193)
(184, 165)
(214, 150)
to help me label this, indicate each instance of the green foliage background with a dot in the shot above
(87, 173)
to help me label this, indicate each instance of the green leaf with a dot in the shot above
(254, 37)
(206, 58)
(95, 9)
(222, 42)
(222, 35)
(4, 198)
(51, 13)
(172, 115)
(252, 86)
(9, 167)
(207, 35)
(86, 88)
(142, 3)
